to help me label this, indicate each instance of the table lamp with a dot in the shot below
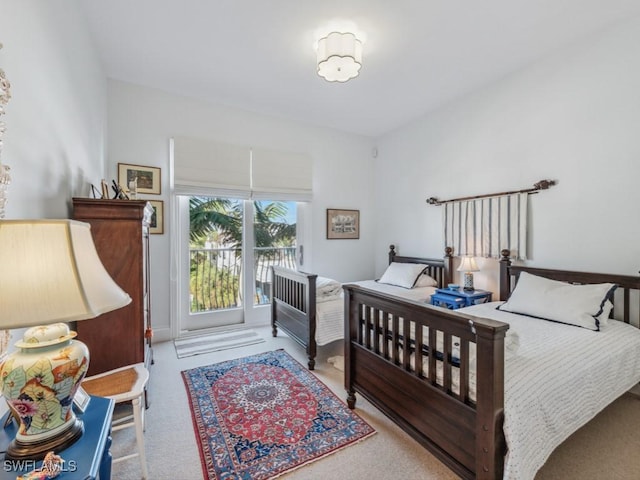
(468, 265)
(50, 273)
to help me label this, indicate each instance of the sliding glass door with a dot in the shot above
(226, 248)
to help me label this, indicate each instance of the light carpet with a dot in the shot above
(214, 342)
(605, 448)
(260, 416)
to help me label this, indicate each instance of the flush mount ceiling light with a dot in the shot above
(339, 57)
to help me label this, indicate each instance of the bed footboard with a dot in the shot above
(293, 308)
(438, 374)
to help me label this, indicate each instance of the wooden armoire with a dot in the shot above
(120, 230)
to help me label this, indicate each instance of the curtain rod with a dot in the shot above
(541, 185)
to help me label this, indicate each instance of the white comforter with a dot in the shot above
(560, 377)
(330, 311)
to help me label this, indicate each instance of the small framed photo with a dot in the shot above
(157, 219)
(146, 178)
(343, 224)
(81, 399)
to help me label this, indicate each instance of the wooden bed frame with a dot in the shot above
(293, 298)
(466, 435)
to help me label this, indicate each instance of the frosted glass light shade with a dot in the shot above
(50, 272)
(339, 57)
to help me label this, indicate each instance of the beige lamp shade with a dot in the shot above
(50, 272)
(468, 264)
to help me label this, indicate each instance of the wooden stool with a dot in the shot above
(124, 385)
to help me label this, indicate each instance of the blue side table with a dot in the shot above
(85, 459)
(454, 299)
(447, 301)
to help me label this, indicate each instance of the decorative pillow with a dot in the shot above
(402, 274)
(540, 297)
(425, 280)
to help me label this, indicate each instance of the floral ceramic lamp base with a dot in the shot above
(19, 451)
(39, 382)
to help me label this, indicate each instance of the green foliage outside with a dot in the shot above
(211, 287)
(215, 274)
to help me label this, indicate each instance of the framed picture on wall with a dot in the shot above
(157, 219)
(147, 178)
(343, 224)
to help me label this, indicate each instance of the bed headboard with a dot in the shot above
(628, 286)
(439, 268)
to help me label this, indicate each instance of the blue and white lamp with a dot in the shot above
(468, 266)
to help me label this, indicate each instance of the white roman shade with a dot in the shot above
(204, 165)
(201, 167)
(483, 227)
(279, 175)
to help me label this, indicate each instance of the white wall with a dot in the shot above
(141, 121)
(56, 119)
(573, 117)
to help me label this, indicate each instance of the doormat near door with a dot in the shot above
(186, 347)
(260, 416)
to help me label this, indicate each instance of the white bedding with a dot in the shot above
(560, 377)
(420, 294)
(327, 289)
(330, 312)
(329, 321)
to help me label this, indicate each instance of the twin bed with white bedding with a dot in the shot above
(556, 380)
(502, 389)
(310, 308)
(330, 312)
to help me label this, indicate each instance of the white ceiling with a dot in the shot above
(258, 54)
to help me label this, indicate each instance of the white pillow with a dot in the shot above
(540, 297)
(425, 280)
(402, 274)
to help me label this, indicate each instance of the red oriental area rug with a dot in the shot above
(258, 417)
